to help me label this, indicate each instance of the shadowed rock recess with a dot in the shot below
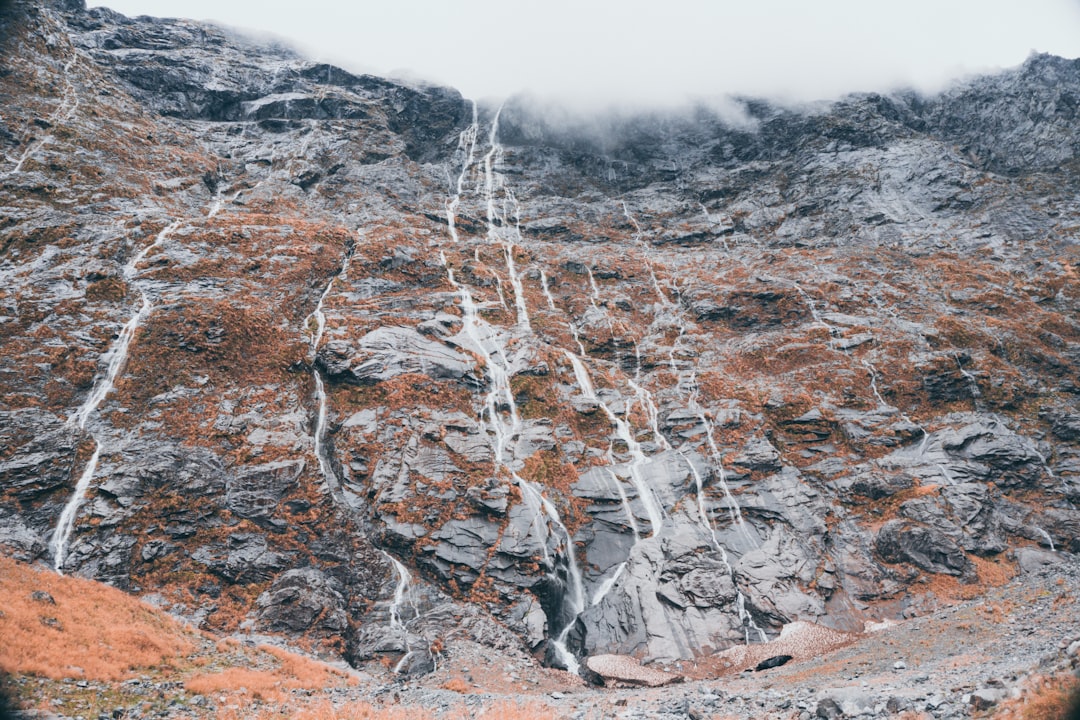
(301, 351)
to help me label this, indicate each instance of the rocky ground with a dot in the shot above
(967, 658)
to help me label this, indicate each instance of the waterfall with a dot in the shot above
(502, 424)
(547, 290)
(103, 385)
(497, 224)
(653, 508)
(318, 318)
(466, 142)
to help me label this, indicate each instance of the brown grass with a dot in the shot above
(271, 684)
(92, 631)
(1045, 698)
(992, 572)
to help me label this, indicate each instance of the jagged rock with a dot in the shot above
(965, 513)
(904, 541)
(678, 569)
(758, 455)
(18, 540)
(302, 600)
(244, 558)
(754, 306)
(992, 453)
(41, 457)
(255, 492)
(386, 352)
(465, 543)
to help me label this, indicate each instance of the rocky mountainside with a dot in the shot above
(290, 349)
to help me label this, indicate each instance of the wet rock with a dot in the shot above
(965, 513)
(386, 352)
(19, 540)
(255, 492)
(243, 558)
(302, 600)
(42, 453)
(929, 549)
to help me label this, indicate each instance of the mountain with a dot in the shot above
(294, 350)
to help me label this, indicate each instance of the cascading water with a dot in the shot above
(318, 317)
(734, 513)
(638, 239)
(503, 424)
(500, 417)
(466, 142)
(103, 385)
(547, 290)
(402, 600)
(653, 508)
(1045, 535)
(67, 108)
(499, 230)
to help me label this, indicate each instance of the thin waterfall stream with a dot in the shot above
(103, 385)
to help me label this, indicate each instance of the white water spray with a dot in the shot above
(103, 385)
(318, 317)
(502, 423)
(466, 142)
(1046, 535)
(547, 290)
(623, 431)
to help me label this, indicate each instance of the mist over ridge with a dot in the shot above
(636, 55)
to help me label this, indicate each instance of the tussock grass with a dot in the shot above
(293, 672)
(90, 631)
(1045, 698)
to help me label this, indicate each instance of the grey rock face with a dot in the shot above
(387, 352)
(255, 492)
(302, 600)
(925, 547)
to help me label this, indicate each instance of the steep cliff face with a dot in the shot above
(334, 356)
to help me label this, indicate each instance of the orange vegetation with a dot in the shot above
(294, 672)
(89, 631)
(991, 573)
(1045, 698)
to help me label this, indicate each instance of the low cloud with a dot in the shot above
(633, 54)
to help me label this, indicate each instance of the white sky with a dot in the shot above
(647, 52)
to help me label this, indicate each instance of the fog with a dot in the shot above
(634, 53)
